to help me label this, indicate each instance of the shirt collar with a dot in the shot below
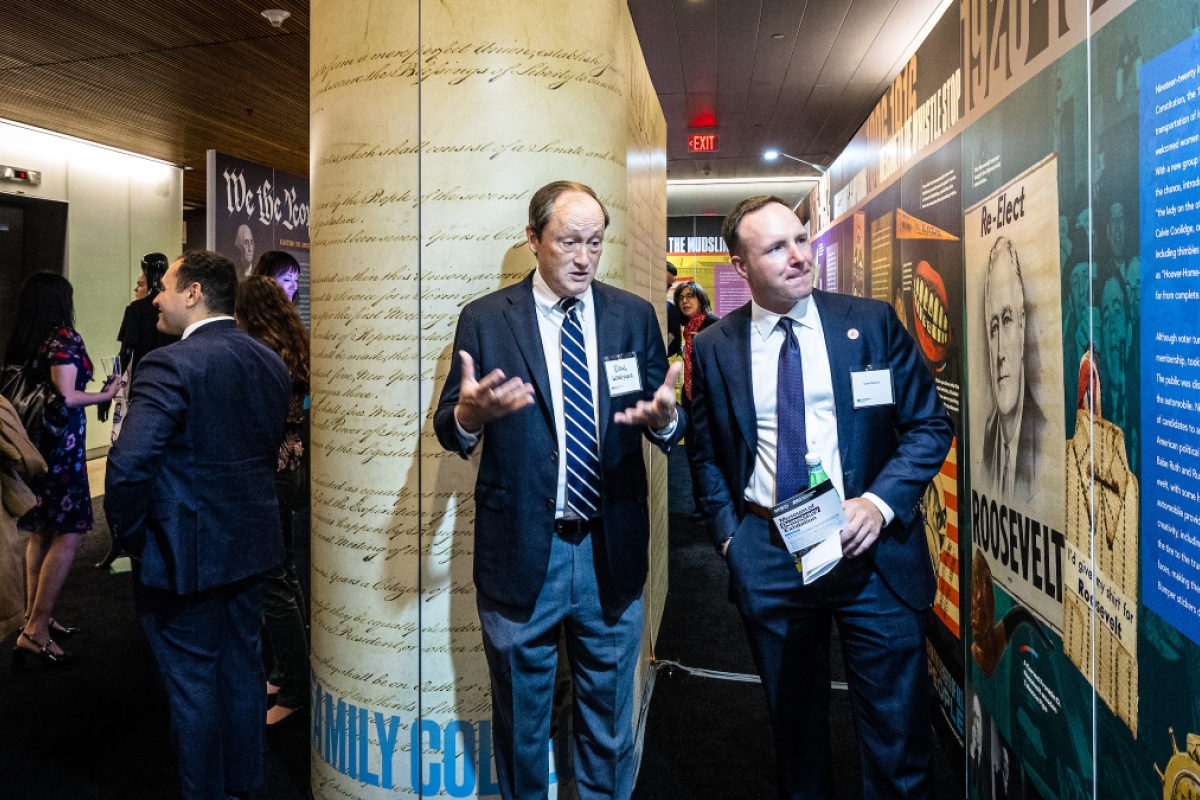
(547, 302)
(804, 313)
(190, 329)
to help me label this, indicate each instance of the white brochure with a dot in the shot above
(811, 523)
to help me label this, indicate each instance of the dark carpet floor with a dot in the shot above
(710, 739)
(98, 729)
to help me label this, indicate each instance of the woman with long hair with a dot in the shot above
(282, 268)
(692, 301)
(263, 311)
(44, 340)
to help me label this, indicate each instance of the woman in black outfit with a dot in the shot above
(138, 336)
(693, 303)
(139, 330)
(264, 312)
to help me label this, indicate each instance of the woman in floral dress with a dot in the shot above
(44, 339)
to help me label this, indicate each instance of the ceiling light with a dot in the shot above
(771, 155)
(710, 181)
(276, 16)
(776, 35)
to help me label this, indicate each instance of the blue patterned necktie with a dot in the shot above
(791, 473)
(579, 416)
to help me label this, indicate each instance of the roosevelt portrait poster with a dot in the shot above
(1013, 335)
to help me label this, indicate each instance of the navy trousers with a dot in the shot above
(208, 648)
(883, 646)
(602, 637)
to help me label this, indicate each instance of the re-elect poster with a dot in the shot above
(1016, 421)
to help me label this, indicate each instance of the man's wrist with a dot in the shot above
(884, 509)
(670, 424)
(466, 426)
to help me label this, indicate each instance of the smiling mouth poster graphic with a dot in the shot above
(1013, 334)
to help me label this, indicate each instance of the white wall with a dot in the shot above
(120, 206)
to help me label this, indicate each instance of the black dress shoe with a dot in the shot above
(114, 552)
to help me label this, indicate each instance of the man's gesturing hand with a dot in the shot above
(865, 521)
(481, 401)
(658, 413)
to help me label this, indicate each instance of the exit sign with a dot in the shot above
(704, 142)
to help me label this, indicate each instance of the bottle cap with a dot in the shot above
(812, 459)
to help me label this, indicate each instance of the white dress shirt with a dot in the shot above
(820, 411)
(190, 329)
(550, 317)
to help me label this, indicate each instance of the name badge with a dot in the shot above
(872, 387)
(623, 375)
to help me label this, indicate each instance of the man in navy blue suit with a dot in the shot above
(772, 382)
(190, 490)
(544, 369)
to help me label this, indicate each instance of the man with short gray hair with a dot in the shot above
(558, 378)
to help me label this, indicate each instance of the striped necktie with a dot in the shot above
(579, 416)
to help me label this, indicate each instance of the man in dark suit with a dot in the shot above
(545, 369)
(190, 489)
(772, 382)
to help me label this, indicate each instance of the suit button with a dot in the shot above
(550, 504)
(554, 456)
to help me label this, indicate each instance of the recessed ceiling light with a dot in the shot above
(276, 16)
(773, 35)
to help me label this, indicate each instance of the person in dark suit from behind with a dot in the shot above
(571, 374)
(773, 381)
(190, 490)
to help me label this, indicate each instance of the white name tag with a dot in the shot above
(623, 375)
(872, 387)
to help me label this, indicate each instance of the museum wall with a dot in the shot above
(1025, 197)
(120, 207)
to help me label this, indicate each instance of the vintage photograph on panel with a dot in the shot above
(1013, 333)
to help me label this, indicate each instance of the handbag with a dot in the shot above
(39, 405)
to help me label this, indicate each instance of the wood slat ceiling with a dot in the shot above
(171, 79)
(165, 79)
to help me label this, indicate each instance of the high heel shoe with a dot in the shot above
(44, 653)
(58, 629)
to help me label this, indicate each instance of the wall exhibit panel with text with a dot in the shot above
(366, 407)
(433, 124)
(1057, 314)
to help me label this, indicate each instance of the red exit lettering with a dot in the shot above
(704, 142)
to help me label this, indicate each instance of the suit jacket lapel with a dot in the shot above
(609, 328)
(733, 357)
(521, 316)
(835, 325)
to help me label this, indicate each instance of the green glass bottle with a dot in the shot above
(816, 472)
